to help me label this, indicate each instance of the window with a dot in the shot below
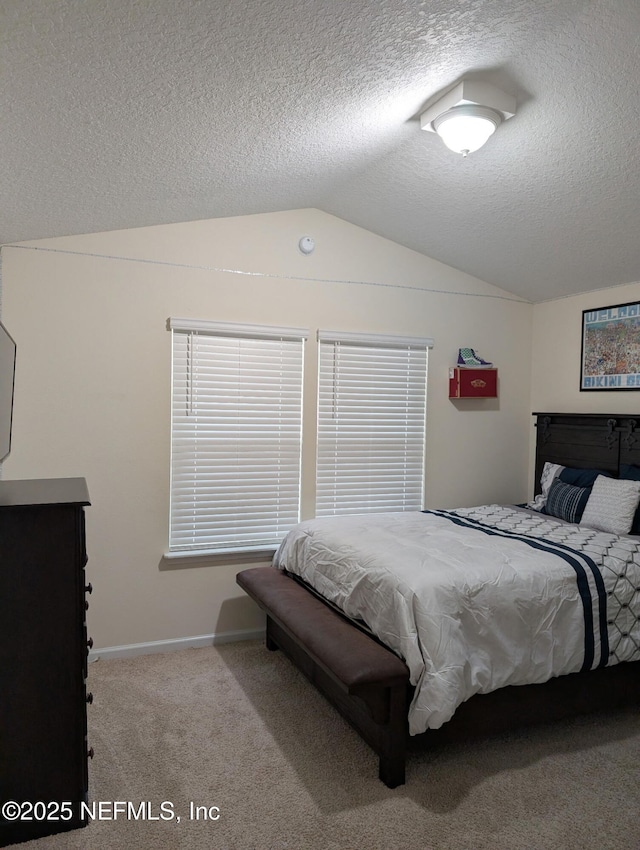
(371, 423)
(235, 435)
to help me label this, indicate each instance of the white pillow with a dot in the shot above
(612, 505)
(550, 472)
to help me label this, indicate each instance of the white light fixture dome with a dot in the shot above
(467, 114)
(464, 129)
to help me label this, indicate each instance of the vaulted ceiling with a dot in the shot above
(129, 113)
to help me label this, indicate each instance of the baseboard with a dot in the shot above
(130, 650)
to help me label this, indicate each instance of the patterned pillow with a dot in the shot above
(612, 505)
(566, 501)
(550, 472)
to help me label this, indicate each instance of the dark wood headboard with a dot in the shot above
(587, 440)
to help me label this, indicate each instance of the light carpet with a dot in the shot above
(238, 728)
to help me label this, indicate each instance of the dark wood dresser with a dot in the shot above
(43, 658)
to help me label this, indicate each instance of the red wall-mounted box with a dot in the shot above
(473, 383)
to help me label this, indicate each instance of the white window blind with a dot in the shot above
(235, 435)
(371, 423)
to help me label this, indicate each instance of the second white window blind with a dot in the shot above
(371, 424)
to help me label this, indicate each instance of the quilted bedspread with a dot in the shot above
(478, 598)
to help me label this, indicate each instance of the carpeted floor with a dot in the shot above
(238, 728)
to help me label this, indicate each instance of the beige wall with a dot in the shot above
(93, 382)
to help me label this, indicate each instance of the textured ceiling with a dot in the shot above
(123, 114)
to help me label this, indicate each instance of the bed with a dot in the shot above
(567, 640)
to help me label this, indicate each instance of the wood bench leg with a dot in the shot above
(269, 641)
(393, 746)
(392, 770)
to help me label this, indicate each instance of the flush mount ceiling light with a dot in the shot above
(466, 115)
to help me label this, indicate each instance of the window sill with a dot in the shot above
(232, 555)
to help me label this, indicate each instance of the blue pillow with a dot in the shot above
(629, 472)
(581, 477)
(565, 501)
(632, 473)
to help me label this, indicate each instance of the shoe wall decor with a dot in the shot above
(473, 376)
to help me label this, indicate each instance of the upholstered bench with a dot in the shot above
(366, 682)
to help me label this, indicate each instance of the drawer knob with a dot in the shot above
(90, 753)
(90, 643)
(88, 588)
(90, 698)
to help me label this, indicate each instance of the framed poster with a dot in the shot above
(610, 358)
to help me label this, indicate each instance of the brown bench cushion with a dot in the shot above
(347, 654)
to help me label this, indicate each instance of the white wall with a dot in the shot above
(93, 381)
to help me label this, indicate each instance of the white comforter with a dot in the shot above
(478, 598)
